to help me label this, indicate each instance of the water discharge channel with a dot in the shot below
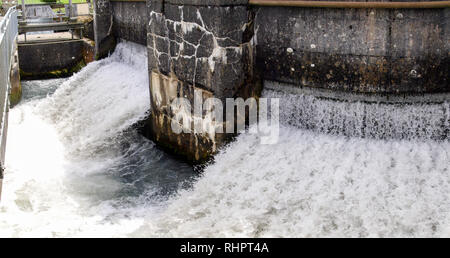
(76, 166)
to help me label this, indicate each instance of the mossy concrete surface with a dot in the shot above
(60, 73)
(199, 50)
(373, 51)
(54, 59)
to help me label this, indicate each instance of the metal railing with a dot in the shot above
(42, 17)
(69, 8)
(8, 36)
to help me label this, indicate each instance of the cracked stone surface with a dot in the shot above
(198, 46)
(204, 46)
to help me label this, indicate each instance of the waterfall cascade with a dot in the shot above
(77, 167)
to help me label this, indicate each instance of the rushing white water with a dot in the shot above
(312, 185)
(395, 182)
(360, 119)
(76, 167)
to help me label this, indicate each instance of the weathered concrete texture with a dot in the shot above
(16, 87)
(1, 183)
(208, 2)
(103, 24)
(195, 147)
(88, 51)
(130, 21)
(358, 50)
(88, 30)
(208, 47)
(196, 47)
(55, 59)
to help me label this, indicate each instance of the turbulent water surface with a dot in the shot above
(77, 167)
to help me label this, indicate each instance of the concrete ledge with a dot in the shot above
(54, 59)
(427, 98)
(355, 50)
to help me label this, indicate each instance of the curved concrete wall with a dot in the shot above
(222, 48)
(358, 50)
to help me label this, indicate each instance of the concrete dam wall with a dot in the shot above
(355, 50)
(353, 157)
(54, 59)
(198, 49)
(130, 20)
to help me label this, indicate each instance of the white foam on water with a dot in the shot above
(364, 120)
(314, 185)
(57, 146)
(63, 149)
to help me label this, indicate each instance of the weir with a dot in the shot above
(371, 52)
(363, 137)
(54, 44)
(390, 52)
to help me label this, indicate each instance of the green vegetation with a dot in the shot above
(15, 95)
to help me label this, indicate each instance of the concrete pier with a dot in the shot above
(204, 47)
(54, 59)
